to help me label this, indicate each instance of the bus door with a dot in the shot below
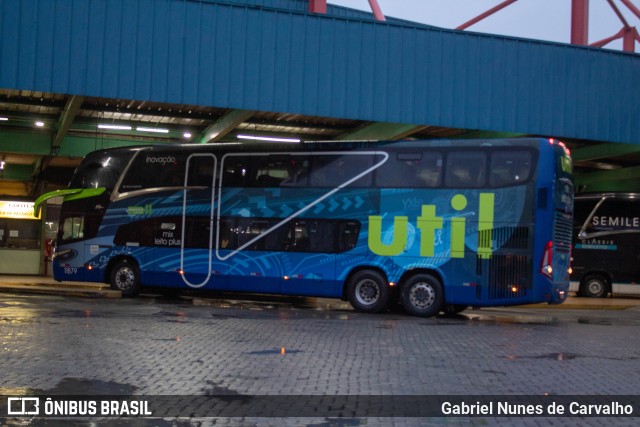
(198, 268)
(79, 251)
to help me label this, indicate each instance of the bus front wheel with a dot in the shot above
(125, 278)
(422, 295)
(368, 292)
(594, 286)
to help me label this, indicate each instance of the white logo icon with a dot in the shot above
(23, 406)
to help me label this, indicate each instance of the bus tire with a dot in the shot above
(422, 295)
(367, 291)
(125, 277)
(594, 286)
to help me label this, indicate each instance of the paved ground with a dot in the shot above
(305, 348)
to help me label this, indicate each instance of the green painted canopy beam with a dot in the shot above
(223, 126)
(36, 143)
(36, 167)
(16, 172)
(66, 120)
(628, 186)
(380, 131)
(592, 178)
(603, 151)
(482, 134)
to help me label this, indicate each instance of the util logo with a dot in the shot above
(429, 223)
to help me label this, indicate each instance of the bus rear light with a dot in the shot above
(547, 260)
(570, 270)
(560, 144)
(514, 289)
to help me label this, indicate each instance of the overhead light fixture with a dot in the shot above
(4, 119)
(187, 135)
(267, 138)
(155, 130)
(39, 123)
(114, 127)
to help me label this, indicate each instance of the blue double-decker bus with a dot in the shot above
(434, 225)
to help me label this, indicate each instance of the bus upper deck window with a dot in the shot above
(411, 169)
(466, 169)
(335, 170)
(509, 167)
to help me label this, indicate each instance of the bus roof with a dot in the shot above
(326, 145)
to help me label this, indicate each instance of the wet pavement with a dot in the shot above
(197, 345)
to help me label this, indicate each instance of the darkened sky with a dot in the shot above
(536, 19)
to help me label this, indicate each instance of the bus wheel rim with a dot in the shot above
(125, 278)
(422, 295)
(367, 292)
(594, 286)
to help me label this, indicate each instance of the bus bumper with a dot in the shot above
(559, 293)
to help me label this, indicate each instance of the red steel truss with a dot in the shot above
(320, 6)
(580, 23)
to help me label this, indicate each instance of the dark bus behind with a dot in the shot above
(606, 253)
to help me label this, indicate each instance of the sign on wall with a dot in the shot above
(17, 210)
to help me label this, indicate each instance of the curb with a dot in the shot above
(87, 291)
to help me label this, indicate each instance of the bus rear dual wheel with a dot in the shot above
(421, 295)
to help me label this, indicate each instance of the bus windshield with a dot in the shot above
(99, 170)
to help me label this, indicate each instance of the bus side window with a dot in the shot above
(235, 172)
(466, 169)
(322, 236)
(279, 239)
(76, 227)
(583, 208)
(509, 167)
(410, 169)
(198, 230)
(200, 171)
(227, 237)
(247, 229)
(272, 171)
(299, 234)
(72, 228)
(298, 171)
(615, 216)
(332, 170)
(146, 232)
(348, 235)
